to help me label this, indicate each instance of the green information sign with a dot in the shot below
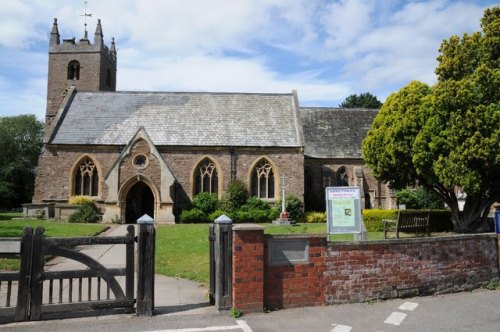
(343, 210)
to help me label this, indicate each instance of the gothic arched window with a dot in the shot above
(342, 179)
(206, 178)
(263, 180)
(74, 70)
(86, 178)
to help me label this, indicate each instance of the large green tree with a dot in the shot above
(363, 100)
(447, 136)
(20, 143)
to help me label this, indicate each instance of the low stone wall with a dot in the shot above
(268, 272)
(38, 210)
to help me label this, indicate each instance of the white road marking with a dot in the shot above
(341, 328)
(408, 306)
(242, 325)
(396, 318)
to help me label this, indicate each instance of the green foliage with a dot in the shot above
(206, 202)
(440, 220)
(447, 136)
(217, 213)
(84, 213)
(274, 214)
(420, 198)
(373, 218)
(364, 100)
(20, 143)
(294, 207)
(254, 210)
(81, 199)
(492, 284)
(193, 215)
(235, 313)
(235, 196)
(313, 217)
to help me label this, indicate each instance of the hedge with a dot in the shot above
(440, 220)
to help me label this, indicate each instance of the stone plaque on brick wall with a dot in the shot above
(288, 251)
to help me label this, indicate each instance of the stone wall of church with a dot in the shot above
(322, 173)
(289, 162)
(56, 168)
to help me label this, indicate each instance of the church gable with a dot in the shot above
(140, 159)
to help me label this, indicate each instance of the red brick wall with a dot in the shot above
(299, 285)
(358, 272)
(248, 267)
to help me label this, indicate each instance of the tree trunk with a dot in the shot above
(475, 215)
(473, 218)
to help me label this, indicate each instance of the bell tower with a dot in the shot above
(86, 66)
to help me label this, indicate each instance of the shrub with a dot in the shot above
(274, 213)
(193, 216)
(294, 207)
(84, 213)
(206, 202)
(235, 196)
(373, 218)
(420, 198)
(217, 213)
(80, 200)
(313, 217)
(254, 203)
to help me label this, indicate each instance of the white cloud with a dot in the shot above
(205, 73)
(338, 47)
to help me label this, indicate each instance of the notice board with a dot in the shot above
(343, 210)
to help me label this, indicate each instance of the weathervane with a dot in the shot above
(85, 15)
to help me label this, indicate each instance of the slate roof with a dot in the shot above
(335, 132)
(182, 119)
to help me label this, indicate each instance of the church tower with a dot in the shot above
(86, 66)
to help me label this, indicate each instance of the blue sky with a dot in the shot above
(326, 50)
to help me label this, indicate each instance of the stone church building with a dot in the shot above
(152, 152)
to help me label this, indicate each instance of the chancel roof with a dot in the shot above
(335, 132)
(181, 119)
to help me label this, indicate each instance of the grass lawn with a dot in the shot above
(182, 249)
(14, 228)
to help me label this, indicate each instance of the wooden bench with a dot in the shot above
(409, 222)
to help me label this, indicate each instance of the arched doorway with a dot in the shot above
(140, 200)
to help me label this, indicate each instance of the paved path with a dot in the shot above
(172, 295)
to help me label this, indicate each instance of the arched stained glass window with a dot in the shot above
(86, 178)
(206, 178)
(263, 180)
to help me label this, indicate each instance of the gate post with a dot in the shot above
(36, 275)
(221, 263)
(146, 270)
(24, 288)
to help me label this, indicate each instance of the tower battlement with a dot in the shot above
(80, 64)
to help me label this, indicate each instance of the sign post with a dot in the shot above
(343, 210)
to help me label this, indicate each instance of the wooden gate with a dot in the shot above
(41, 293)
